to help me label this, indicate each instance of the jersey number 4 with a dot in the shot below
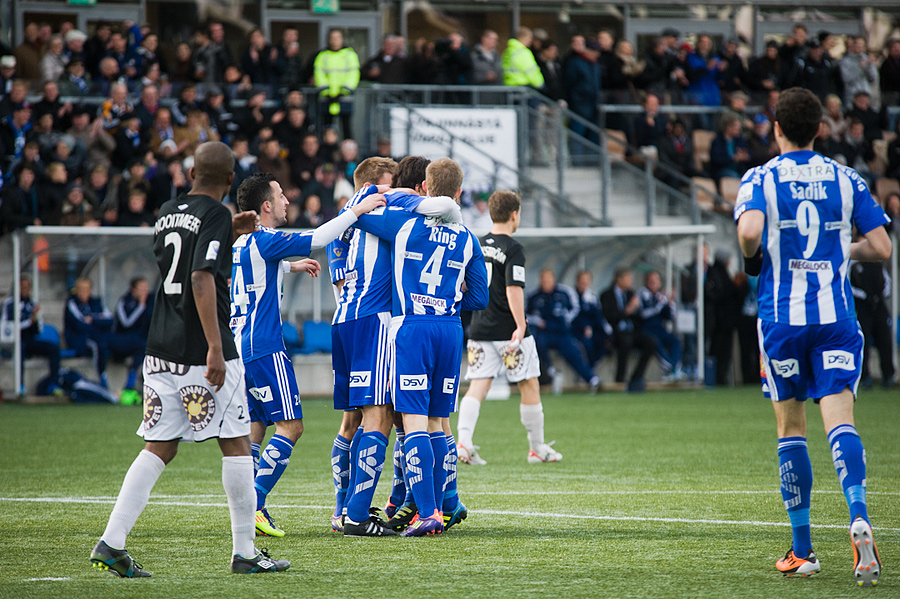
(431, 276)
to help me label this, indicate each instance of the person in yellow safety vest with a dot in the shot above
(519, 65)
(336, 69)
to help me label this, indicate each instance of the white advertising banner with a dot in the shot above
(478, 136)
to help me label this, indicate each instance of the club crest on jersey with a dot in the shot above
(360, 378)
(413, 382)
(152, 408)
(839, 359)
(475, 354)
(513, 360)
(786, 368)
(199, 404)
(810, 191)
(154, 365)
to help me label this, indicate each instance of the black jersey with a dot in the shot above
(193, 232)
(505, 261)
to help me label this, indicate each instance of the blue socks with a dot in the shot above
(340, 471)
(254, 451)
(420, 469)
(369, 461)
(354, 447)
(439, 447)
(398, 491)
(272, 463)
(849, 458)
(451, 496)
(132, 379)
(796, 474)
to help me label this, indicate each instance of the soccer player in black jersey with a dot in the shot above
(193, 377)
(499, 338)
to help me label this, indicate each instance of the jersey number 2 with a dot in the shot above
(169, 286)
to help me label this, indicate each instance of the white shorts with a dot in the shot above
(180, 404)
(488, 359)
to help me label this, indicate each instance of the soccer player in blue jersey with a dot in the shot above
(360, 342)
(795, 218)
(257, 273)
(432, 259)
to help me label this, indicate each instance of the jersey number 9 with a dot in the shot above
(808, 225)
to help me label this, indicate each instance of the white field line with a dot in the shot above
(47, 578)
(538, 493)
(81, 500)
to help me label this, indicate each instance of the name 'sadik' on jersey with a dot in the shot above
(505, 261)
(257, 277)
(192, 233)
(811, 204)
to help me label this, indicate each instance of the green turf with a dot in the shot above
(632, 465)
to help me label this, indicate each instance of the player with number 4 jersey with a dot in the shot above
(795, 220)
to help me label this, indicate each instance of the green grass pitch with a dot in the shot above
(665, 494)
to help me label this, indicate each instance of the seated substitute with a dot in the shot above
(620, 306)
(591, 330)
(130, 331)
(657, 309)
(87, 325)
(30, 325)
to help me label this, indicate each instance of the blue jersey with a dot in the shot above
(811, 204)
(257, 274)
(363, 262)
(431, 260)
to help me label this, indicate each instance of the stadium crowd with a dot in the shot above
(75, 162)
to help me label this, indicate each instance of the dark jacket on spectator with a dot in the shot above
(391, 69)
(581, 78)
(655, 77)
(873, 123)
(19, 208)
(553, 79)
(893, 156)
(263, 69)
(678, 153)
(821, 77)
(129, 146)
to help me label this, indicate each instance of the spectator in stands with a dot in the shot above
(621, 307)
(129, 61)
(7, 73)
(87, 325)
(219, 54)
(765, 72)
(348, 159)
(135, 213)
(75, 81)
(323, 185)
(221, 119)
(311, 215)
(68, 152)
(99, 192)
(46, 136)
(52, 193)
(245, 164)
(254, 116)
(858, 150)
(328, 147)
(150, 54)
(289, 62)
(551, 71)
(95, 47)
(655, 317)
(658, 68)
(649, 126)
(53, 64)
(626, 70)
(15, 132)
(17, 96)
(722, 310)
(304, 164)
(589, 328)
(703, 74)
(31, 156)
(873, 123)
(28, 54)
(734, 74)
(487, 67)
(795, 47)
(816, 72)
(107, 77)
(167, 183)
(134, 177)
(147, 108)
(889, 75)
(858, 71)
(187, 102)
(761, 144)
(550, 311)
(259, 61)
(834, 115)
(98, 144)
(271, 161)
(30, 327)
(129, 144)
(196, 130)
(581, 78)
(737, 106)
(826, 145)
(77, 211)
(50, 104)
(162, 130)
(115, 106)
(423, 63)
(21, 205)
(729, 154)
(893, 157)
(454, 64)
(183, 68)
(336, 68)
(676, 149)
(892, 207)
(130, 331)
(389, 65)
(292, 130)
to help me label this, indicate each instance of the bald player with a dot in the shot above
(193, 377)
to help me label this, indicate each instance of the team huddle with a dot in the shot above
(403, 267)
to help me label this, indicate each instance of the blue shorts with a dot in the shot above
(810, 361)
(426, 353)
(360, 358)
(272, 393)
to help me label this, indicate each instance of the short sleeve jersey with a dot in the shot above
(363, 262)
(257, 279)
(811, 204)
(431, 260)
(504, 258)
(193, 232)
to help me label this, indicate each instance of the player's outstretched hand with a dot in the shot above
(215, 368)
(245, 223)
(516, 338)
(368, 204)
(306, 265)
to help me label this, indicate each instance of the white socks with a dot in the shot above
(133, 497)
(469, 408)
(533, 421)
(237, 478)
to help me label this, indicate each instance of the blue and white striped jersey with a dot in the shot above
(811, 205)
(257, 275)
(431, 260)
(363, 261)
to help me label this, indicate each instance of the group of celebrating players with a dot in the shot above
(404, 267)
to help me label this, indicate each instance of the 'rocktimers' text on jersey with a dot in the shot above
(811, 204)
